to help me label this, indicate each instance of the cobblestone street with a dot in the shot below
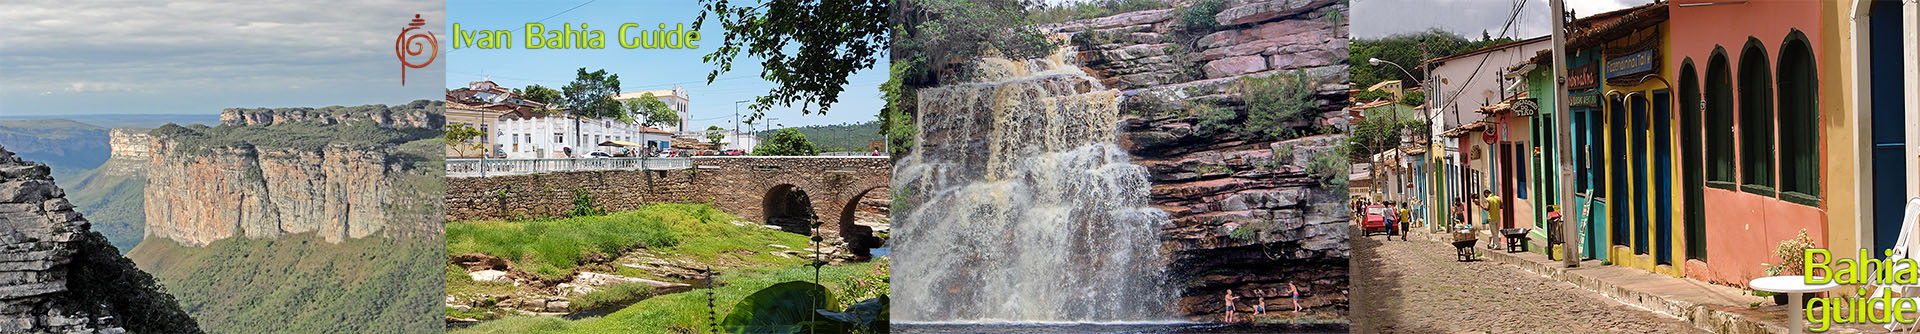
(1418, 287)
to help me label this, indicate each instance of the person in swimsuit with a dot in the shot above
(1295, 291)
(1230, 299)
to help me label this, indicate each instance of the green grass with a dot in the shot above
(683, 312)
(554, 248)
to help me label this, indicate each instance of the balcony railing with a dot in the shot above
(500, 167)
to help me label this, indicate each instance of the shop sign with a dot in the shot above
(1526, 108)
(1582, 77)
(1635, 63)
(1584, 100)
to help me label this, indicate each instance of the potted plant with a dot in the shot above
(1790, 252)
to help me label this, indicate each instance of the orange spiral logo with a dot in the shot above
(409, 44)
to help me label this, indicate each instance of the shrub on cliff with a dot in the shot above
(100, 277)
(1276, 100)
(1050, 12)
(1198, 16)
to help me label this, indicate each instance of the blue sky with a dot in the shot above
(63, 57)
(639, 69)
(1382, 18)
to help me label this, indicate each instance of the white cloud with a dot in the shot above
(208, 46)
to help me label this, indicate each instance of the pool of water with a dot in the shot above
(1128, 328)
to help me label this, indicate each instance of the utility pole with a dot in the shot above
(1569, 228)
(736, 122)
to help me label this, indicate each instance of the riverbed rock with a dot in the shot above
(495, 276)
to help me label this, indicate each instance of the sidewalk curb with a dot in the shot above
(1701, 316)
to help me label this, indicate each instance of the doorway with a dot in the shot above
(1662, 182)
(1889, 138)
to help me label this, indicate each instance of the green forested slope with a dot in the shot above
(300, 284)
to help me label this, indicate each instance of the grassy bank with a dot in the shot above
(554, 248)
(687, 312)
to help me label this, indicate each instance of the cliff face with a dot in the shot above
(112, 195)
(58, 277)
(197, 193)
(378, 114)
(1247, 212)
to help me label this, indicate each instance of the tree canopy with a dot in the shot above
(808, 47)
(590, 95)
(786, 142)
(538, 93)
(714, 136)
(653, 111)
(1408, 50)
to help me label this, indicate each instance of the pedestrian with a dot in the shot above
(1405, 215)
(1491, 204)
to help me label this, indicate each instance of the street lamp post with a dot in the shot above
(1426, 131)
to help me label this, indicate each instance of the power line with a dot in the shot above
(1455, 98)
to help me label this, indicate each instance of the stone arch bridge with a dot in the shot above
(753, 188)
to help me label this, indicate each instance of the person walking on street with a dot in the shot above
(1491, 204)
(1405, 217)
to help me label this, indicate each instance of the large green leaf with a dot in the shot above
(782, 308)
(868, 316)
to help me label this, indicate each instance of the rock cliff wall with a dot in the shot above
(1247, 212)
(239, 188)
(56, 276)
(378, 114)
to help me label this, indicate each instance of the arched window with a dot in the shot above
(1799, 92)
(1756, 120)
(1719, 127)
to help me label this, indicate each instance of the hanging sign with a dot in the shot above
(1526, 108)
(1635, 63)
(1582, 77)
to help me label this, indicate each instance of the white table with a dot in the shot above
(1793, 286)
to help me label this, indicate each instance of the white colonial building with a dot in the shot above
(676, 99)
(531, 135)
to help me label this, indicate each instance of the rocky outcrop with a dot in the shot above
(240, 188)
(1246, 213)
(48, 258)
(382, 115)
(130, 143)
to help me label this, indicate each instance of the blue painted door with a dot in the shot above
(1889, 142)
(1642, 198)
(1662, 137)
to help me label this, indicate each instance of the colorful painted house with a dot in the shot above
(1876, 142)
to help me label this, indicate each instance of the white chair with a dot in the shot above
(1904, 248)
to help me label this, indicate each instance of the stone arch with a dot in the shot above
(859, 239)
(789, 207)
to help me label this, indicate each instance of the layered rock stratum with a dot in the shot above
(1212, 184)
(56, 276)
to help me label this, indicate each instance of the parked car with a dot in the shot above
(1374, 221)
(598, 154)
(668, 153)
(733, 152)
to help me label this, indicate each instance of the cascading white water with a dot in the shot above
(1020, 207)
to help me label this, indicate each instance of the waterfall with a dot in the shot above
(1020, 207)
